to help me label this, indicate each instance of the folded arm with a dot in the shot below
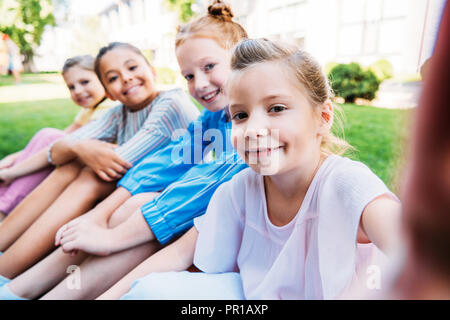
(34, 163)
(98, 155)
(9, 160)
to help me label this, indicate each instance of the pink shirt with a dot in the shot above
(315, 256)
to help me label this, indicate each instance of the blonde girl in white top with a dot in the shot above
(302, 222)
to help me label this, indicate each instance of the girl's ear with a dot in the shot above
(326, 117)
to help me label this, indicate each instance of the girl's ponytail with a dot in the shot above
(217, 24)
(220, 10)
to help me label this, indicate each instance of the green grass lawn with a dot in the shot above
(378, 135)
(19, 121)
(30, 78)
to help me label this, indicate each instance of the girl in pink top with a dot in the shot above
(302, 222)
(86, 90)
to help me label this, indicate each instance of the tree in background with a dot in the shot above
(88, 36)
(183, 7)
(351, 81)
(25, 21)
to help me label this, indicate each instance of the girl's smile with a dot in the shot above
(262, 152)
(210, 97)
(84, 100)
(128, 78)
(132, 90)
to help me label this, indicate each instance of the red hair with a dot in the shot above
(218, 25)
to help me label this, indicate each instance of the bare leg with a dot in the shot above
(16, 76)
(177, 256)
(47, 273)
(38, 239)
(100, 273)
(23, 216)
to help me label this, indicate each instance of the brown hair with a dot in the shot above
(313, 82)
(218, 25)
(111, 46)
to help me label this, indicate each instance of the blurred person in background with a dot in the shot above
(3, 56)
(15, 66)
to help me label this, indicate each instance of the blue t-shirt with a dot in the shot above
(188, 181)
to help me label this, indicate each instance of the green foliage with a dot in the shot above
(329, 66)
(148, 54)
(183, 7)
(165, 75)
(24, 21)
(382, 69)
(88, 36)
(380, 137)
(350, 81)
(19, 121)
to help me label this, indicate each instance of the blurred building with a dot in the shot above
(147, 24)
(402, 31)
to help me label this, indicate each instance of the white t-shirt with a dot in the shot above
(314, 256)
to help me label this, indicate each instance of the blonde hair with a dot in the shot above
(85, 62)
(312, 80)
(217, 24)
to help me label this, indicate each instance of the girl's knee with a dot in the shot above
(89, 179)
(68, 171)
(137, 201)
(91, 183)
(129, 207)
(146, 197)
(122, 213)
(49, 135)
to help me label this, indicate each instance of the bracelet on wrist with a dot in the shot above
(49, 154)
